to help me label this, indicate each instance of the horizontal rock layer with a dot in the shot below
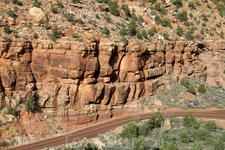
(93, 77)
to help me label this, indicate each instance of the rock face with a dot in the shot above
(90, 80)
(38, 15)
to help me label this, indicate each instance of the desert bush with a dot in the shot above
(189, 121)
(11, 110)
(123, 32)
(178, 3)
(30, 103)
(191, 5)
(35, 36)
(219, 145)
(132, 27)
(158, 20)
(166, 22)
(179, 31)
(139, 35)
(105, 31)
(191, 89)
(126, 10)
(11, 13)
(182, 16)
(184, 136)
(54, 9)
(201, 88)
(171, 146)
(139, 144)
(155, 121)
(17, 2)
(36, 4)
(152, 1)
(7, 29)
(56, 33)
(130, 131)
(210, 126)
(144, 33)
(75, 1)
(124, 40)
(69, 17)
(152, 31)
(200, 135)
(165, 35)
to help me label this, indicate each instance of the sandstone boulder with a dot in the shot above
(38, 15)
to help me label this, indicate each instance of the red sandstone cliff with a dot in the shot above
(94, 77)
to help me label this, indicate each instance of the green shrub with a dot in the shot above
(36, 4)
(157, 20)
(123, 32)
(221, 9)
(219, 145)
(97, 16)
(55, 34)
(201, 88)
(185, 82)
(54, 9)
(166, 22)
(191, 89)
(140, 19)
(105, 31)
(144, 33)
(210, 126)
(126, 10)
(182, 16)
(184, 136)
(152, 31)
(142, 130)
(132, 27)
(80, 21)
(204, 17)
(179, 31)
(171, 146)
(11, 110)
(75, 1)
(139, 144)
(35, 36)
(200, 135)
(189, 35)
(139, 35)
(178, 3)
(11, 13)
(165, 35)
(158, 7)
(152, 1)
(69, 17)
(113, 8)
(154, 122)
(130, 131)
(17, 2)
(187, 23)
(189, 121)
(124, 40)
(7, 29)
(191, 5)
(30, 103)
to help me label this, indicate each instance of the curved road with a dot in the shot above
(100, 128)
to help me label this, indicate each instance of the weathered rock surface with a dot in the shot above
(38, 15)
(90, 80)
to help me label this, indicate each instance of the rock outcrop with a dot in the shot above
(92, 79)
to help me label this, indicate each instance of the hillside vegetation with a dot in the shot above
(118, 20)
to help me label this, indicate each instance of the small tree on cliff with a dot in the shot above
(30, 103)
